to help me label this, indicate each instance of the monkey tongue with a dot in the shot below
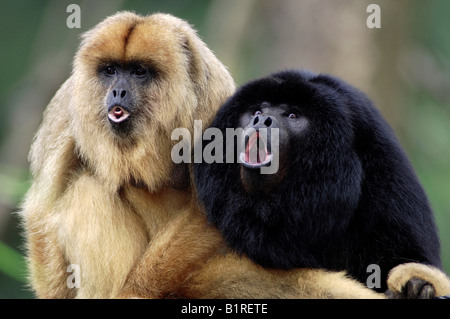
(256, 153)
(118, 114)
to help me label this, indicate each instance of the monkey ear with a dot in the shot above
(194, 58)
(208, 75)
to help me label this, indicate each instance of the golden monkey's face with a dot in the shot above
(136, 74)
(126, 87)
(136, 79)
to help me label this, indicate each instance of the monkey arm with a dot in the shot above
(46, 263)
(179, 249)
(52, 154)
(232, 276)
(178, 264)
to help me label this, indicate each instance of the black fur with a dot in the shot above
(350, 197)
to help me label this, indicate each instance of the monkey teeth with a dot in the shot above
(267, 160)
(118, 114)
(256, 153)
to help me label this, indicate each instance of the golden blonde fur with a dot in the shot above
(97, 201)
(110, 206)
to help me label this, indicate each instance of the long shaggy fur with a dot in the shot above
(97, 200)
(117, 206)
(349, 198)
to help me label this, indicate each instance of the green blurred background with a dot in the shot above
(404, 67)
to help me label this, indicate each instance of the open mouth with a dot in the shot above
(256, 153)
(118, 114)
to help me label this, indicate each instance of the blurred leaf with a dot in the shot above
(13, 184)
(12, 263)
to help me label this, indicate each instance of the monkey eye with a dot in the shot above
(109, 70)
(292, 115)
(257, 112)
(140, 72)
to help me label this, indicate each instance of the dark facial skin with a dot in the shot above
(289, 123)
(125, 84)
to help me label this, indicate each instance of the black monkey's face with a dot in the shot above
(277, 219)
(268, 131)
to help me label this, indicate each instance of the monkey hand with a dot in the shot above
(417, 281)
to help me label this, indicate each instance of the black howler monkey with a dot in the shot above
(345, 194)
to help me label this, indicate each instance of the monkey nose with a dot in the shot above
(118, 114)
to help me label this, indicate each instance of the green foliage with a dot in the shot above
(13, 184)
(12, 263)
